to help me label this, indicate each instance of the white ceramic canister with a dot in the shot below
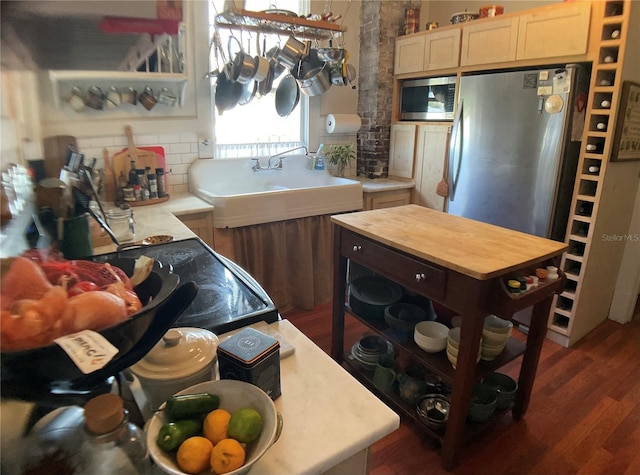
(185, 356)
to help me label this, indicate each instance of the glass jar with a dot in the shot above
(112, 444)
(121, 222)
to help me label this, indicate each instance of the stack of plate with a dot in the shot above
(370, 295)
(495, 334)
(369, 349)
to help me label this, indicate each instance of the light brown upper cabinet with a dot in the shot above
(442, 49)
(409, 54)
(559, 31)
(493, 41)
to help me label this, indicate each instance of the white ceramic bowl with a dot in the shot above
(431, 336)
(233, 395)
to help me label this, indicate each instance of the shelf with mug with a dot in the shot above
(63, 83)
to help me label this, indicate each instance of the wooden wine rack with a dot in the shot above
(597, 141)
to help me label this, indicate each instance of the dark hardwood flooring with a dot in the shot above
(584, 416)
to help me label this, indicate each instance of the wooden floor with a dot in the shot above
(584, 416)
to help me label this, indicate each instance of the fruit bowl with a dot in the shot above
(233, 395)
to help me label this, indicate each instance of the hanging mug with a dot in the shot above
(167, 98)
(130, 96)
(95, 98)
(113, 98)
(75, 100)
(147, 98)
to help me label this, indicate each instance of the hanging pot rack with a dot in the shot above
(280, 24)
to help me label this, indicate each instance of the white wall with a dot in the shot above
(440, 11)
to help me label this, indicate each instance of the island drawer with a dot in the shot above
(416, 275)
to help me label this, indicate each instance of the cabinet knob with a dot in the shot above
(420, 277)
(357, 248)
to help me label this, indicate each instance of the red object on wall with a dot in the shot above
(110, 24)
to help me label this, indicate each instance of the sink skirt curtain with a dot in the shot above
(292, 260)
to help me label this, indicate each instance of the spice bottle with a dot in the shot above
(162, 192)
(153, 185)
(133, 177)
(113, 444)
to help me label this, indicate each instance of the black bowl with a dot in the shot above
(47, 364)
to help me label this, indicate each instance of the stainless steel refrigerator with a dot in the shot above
(512, 161)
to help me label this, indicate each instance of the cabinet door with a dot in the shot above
(442, 49)
(401, 148)
(492, 41)
(430, 150)
(201, 224)
(386, 199)
(409, 54)
(559, 31)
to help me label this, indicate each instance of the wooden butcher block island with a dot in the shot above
(463, 265)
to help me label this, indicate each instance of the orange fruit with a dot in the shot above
(245, 425)
(194, 455)
(216, 424)
(227, 456)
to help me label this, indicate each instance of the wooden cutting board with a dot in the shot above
(55, 153)
(152, 157)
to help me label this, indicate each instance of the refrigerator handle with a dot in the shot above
(455, 149)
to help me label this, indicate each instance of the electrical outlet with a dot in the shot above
(205, 148)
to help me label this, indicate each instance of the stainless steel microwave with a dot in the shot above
(428, 99)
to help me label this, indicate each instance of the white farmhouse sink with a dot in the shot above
(243, 197)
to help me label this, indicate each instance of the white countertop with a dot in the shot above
(328, 415)
(161, 219)
(373, 185)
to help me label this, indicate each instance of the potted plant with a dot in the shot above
(341, 156)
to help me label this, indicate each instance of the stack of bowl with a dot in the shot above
(431, 336)
(433, 410)
(369, 349)
(504, 386)
(484, 401)
(495, 334)
(453, 345)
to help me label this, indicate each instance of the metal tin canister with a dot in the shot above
(431, 25)
(253, 357)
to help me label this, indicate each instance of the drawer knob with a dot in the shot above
(420, 277)
(357, 248)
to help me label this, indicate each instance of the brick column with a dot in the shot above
(381, 21)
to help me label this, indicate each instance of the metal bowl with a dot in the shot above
(462, 17)
(29, 373)
(433, 410)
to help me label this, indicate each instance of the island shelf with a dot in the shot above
(463, 265)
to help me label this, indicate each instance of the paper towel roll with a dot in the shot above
(343, 123)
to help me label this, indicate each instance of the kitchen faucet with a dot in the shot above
(257, 167)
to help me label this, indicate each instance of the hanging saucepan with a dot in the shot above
(244, 66)
(335, 73)
(265, 86)
(316, 81)
(272, 56)
(292, 52)
(248, 92)
(227, 93)
(287, 95)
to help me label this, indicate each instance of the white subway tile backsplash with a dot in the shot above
(173, 158)
(169, 138)
(180, 148)
(179, 189)
(176, 179)
(188, 158)
(189, 137)
(146, 139)
(180, 169)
